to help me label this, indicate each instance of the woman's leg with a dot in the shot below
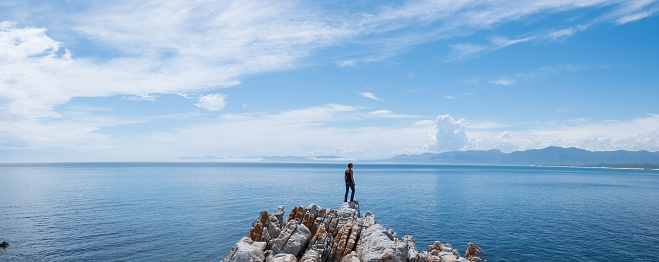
(352, 196)
(345, 199)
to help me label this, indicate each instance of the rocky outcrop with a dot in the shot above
(246, 250)
(316, 234)
(473, 253)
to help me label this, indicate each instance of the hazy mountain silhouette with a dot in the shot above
(546, 156)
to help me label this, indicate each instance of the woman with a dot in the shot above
(350, 183)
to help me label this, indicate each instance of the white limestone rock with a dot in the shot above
(352, 257)
(412, 252)
(379, 244)
(292, 239)
(315, 234)
(297, 241)
(313, 210)
(348, 214)
(367, 220)
(246, 250)
(282, 258)
(312, 255)
(279, 214)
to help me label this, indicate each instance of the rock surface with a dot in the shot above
(246, 250)
(316, 234)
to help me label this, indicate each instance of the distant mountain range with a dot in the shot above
(550, 156)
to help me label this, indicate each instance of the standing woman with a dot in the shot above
(350, 183)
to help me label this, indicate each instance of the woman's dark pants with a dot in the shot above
(350, 185)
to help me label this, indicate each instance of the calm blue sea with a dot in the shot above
(197, 211)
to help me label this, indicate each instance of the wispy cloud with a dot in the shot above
(389, 114)
(370, 95)
(153, 48)
(545, 71)
(456, 96)
(461, 52)
(502, 81)
(634, 10)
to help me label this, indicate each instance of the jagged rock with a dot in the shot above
(257, 232)
(315, 234)
(274, 228)
(348, 214)
(279, 214)
(352, 257)
(311, 255)
(282, 258)
(368, 220)
(473, 252)
(412, 253)
(380, 244)
(344, 242)
(297, 241)
(296, 214)
(440, 252)
(292, 239)
(246, 250)
(331, 222)
(320, 245)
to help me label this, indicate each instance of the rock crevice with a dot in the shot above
(316, 234)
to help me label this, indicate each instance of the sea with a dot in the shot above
(198, 211)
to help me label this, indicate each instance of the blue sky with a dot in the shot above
(157, 80)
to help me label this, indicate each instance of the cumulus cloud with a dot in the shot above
(450, 134)
(505, 143)
(212, 102)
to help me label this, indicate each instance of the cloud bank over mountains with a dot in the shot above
(637, 134)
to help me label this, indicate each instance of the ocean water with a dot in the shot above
(197, 211)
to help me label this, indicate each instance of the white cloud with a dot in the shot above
(142, 97)
(501, 42)
(502, 82)
(505, 143)
(465, 51)
(388, 114)
(188, 47)
(294, 132)
(450, 134)
(369, 95)
(631, 11)
(212, 102)
(636, 134)
(191, 48)
(461, 52)
(540, 72)
(380, 112)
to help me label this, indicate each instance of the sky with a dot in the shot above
(234, 80)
